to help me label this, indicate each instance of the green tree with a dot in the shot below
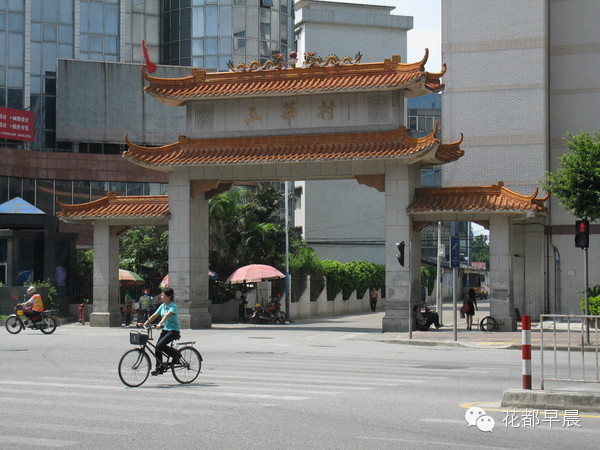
(144, 250)
(246, 227)
(577, 182)
(428, 274)
(480, 249)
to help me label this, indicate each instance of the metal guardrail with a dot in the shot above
(574, 344)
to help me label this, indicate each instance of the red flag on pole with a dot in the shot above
(149, 64)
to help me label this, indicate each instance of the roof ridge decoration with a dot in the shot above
(391, 144)
(311, 59)
(494, 198)
(271, 79)
(270, 64)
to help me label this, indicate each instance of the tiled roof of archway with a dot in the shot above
(495, 198)
(113, 206)
(394, 144)
(390, 74)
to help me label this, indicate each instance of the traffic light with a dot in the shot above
(582, 233)
(400, 255)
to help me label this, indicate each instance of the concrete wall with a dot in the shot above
(303, 308)
(115, 107)
(496, 56)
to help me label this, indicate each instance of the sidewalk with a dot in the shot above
(491, 339)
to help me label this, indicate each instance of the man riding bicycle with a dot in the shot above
(169, 323)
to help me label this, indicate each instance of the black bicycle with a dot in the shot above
(135, 365)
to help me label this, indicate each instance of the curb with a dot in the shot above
(475, 344)
(538, 399)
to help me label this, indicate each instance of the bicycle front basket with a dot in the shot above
(138, 337)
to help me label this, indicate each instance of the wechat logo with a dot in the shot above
(476, 416)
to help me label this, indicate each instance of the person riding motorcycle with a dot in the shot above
(32, 307)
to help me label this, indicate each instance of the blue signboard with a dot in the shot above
(454, 252)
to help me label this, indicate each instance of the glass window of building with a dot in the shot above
(94, 45)
(44, 198)
(15, 188)
(64, 191)
(3, 189)
(29, 190)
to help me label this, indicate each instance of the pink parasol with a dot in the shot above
(254, 273)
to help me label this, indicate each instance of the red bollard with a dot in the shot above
(81, 308)
(526, 350)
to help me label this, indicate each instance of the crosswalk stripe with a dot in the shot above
(307, 376)
(185, 391)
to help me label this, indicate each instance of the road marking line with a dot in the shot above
(431, 420)
(69, 428)
(38, 442)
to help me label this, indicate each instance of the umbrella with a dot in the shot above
(254, 273)
(129, 278)
(165, 281)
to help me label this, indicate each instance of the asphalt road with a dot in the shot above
(329, 383)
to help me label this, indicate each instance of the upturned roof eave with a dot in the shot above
(415, 88)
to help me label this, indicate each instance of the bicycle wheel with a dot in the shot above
(134, 367)
(488, 323)
(13, 325)
(50, 325)
(280, 317)
(188, 368)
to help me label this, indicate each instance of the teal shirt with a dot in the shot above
(172, 323)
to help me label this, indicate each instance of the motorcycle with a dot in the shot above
(43, 321)
(269, 314)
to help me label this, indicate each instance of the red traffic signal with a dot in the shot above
(582, 233)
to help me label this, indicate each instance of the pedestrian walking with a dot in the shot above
(471, 303)
(373, 295)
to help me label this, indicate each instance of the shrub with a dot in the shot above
(360, 276)
(594, 303)
(428, 274)
(306, 262)
(335, 274)
(353, 276)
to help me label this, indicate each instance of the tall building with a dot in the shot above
(38, 39)
(523, 75)
(63, 60)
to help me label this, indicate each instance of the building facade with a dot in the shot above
(59, 59)
(531, 67)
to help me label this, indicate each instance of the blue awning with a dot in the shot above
(19, 206)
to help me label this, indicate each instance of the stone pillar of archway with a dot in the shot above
(502, 306)
(401, 283)
(106, 276)
(188, 252)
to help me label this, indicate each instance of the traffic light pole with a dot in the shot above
(587, 301)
